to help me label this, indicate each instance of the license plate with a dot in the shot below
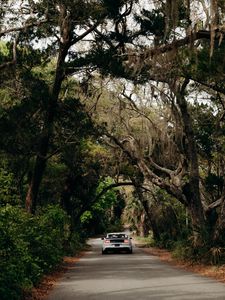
(116, 245)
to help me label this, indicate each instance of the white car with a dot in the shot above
(116, 241)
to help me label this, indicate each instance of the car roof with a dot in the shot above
(115, 234)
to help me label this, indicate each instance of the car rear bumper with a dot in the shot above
(117, 248)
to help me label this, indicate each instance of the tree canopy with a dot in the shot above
(111, 110)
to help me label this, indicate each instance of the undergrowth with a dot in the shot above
(31, 246)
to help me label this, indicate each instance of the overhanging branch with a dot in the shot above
(111, 186)
(23, 28)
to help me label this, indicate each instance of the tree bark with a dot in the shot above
(219, 230)
(191, 189)
(40, 163)
(155, 231)
(151, 222)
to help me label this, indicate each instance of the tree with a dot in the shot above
(54, 22)
(167, 52)
(159, 62)
(161, 142)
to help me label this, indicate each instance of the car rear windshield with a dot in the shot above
(117, 236)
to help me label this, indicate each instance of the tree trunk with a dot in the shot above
(219, 230)
(31, 197)
(191, 189)
(142, 228)
(40, 163)
(151, 222)
(66, 195)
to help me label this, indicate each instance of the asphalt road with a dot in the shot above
(136, 276)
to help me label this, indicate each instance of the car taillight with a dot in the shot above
(106, 241)
(126, 241)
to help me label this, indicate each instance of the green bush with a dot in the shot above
(182, 250)
(75, 243)
(15, 257)
(116, 226)
(8, 192)
(47, 234)
(205, 253)
(29, 247)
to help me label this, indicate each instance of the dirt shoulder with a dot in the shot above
(216, 272)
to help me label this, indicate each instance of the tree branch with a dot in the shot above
(111, 186)
(80, 37)
(23, 28)
(194, 36)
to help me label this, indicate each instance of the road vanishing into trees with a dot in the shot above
(137, 276)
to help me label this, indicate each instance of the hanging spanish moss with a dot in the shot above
(214, 23)
(171, 11)
(175, 10)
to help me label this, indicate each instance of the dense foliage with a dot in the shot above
(96, 95)
(30, 246)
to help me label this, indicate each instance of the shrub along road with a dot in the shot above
(136, 276)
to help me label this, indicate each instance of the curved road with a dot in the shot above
(137, 276)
